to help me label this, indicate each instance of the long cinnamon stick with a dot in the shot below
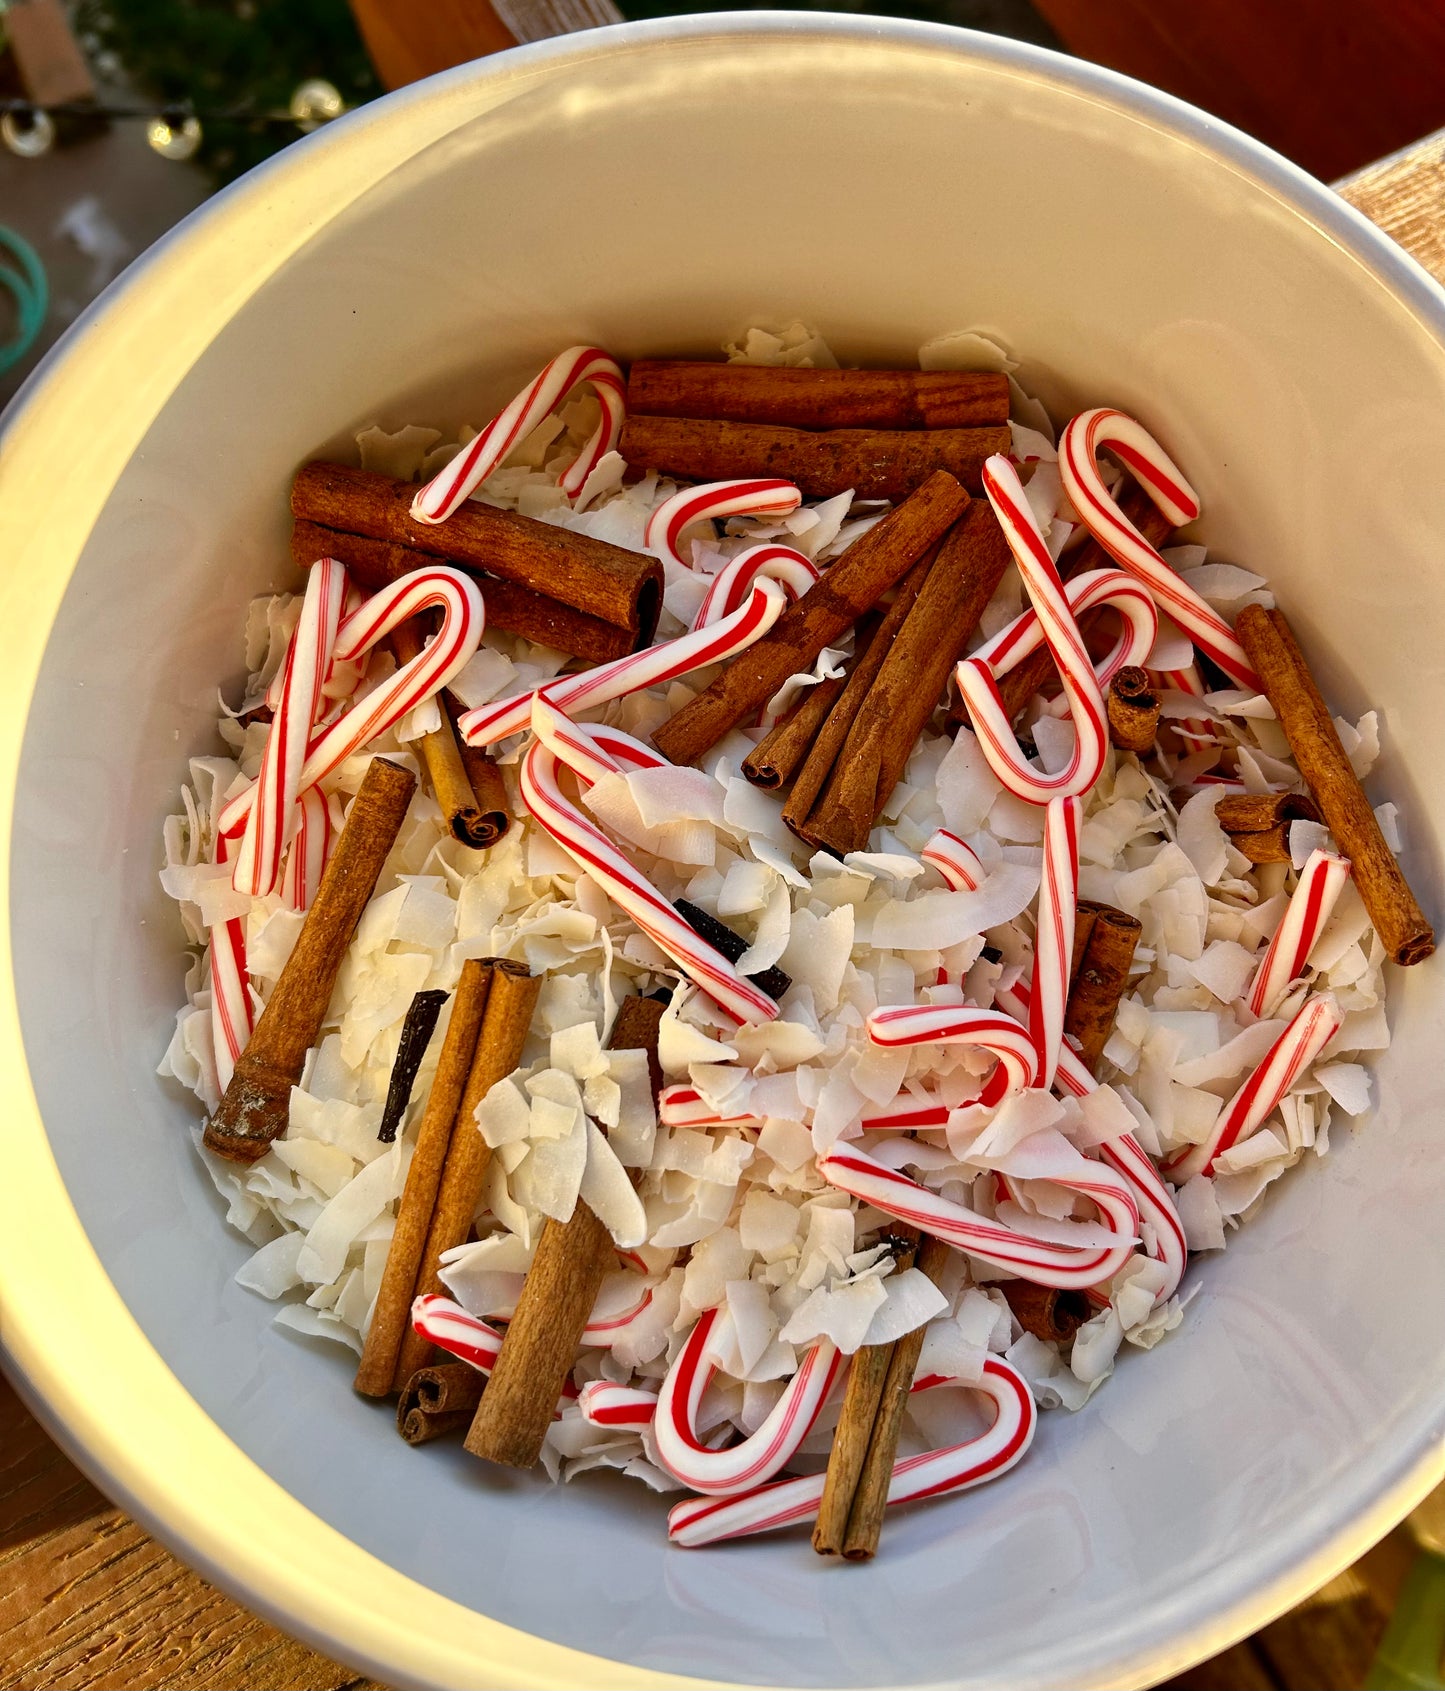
(511, 607)
(818, 399)
(1045, 1311)
(511, 1000)
(257, 1105)
(1101, 980)
(906, 690)
(780, 753)
(1133, 708)
(875, 464)
(865, 1519)
(561, 1287)
(1272, 649)
(391, 1316)
(849, 588)
(438, 1400)
(590, 575)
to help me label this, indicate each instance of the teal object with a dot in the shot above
(25, 279)
(1410, 1652)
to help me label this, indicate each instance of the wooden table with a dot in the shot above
(88, 1600)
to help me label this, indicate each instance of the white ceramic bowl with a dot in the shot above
(653, 188)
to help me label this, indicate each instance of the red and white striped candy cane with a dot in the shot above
(1316, 1024)
(463, 619)
(462, 1335)
(1320, 884)
(1088, 592)
(711, 502)
(1054, 934)
(435, 502)
(977, 679)
(707, 1520)
(895, 1025)
(318, 822)
(592, 752)
(1161, 479)
(233, 1015)
(684, 1106)
(607, 1405)
(757, 1457)
(1046, 1263)
(746, 600)
(958, 863)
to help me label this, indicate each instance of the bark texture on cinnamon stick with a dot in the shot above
(561, 1287)
(391, 1316)
(1272, 649)
(874, 463)
(1101, 979)
(257, 1105)
(437, 1401)
(848, 589)
(1258, 824)
(1133, 708)
(590, 575)
(1045, 1311)
(515, 609)
(778, 756)
(511, 1001)
(819, 399)
(489, 789)
(910, 682)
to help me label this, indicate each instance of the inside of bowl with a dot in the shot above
(656, 196)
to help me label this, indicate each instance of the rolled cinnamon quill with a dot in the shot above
(1133, 708)
(571, 1261)
(489, 789)
(1101, 979)
(1258, 824)
(1045, 1311)
(1272, 649)
(780, 753)
(438, 1401)
(256, 1107)
(818, 399)
(847, 590)
(874, 463)
(605, 581)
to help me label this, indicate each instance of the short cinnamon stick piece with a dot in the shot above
(489, 789)
(391, 1318)
(722, 938)
(875, 464)
(416, 1031)
(1133, 708)
(1258, 824)
(1102, 979)
(1045, 1311)
(776, 758)
(847, 590)
(437, 1401)
(561, 1287)
(819, 399)
(257, 1106)
(914, 672)
(511, 1000)
(605, 581)
(864, 1392)
(865, 1519)
(1272, 649)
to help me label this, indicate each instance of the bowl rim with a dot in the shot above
(144, 1440)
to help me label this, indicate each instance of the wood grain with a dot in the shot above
(1405, 195)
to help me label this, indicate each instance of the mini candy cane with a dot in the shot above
(759, 1456)
(895, 1025)
(606, 1405)
(1046, 1263)
(1291, 1054)
(463, 618)
(744, 602)
(298, 701)
(711, 502)
(591, 752)
(1160, 478)
(233, 1016)
(977, 680)
(464, 1336)
(441, 496)
(706, 1520)
(958, 863)
(1321, 882)
(1054, 934)
(316, 828)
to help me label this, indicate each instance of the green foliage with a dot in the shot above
(240, 58)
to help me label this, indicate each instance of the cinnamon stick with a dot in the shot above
(511, 607)
(911, 679)
(438, 1400)
(776, 758)
(489, 789)
(865, 1519)
(561, 1287)
(1133, 708)
(819, 399)
(1258, 824)
(416, 1032)
(1101, 979)
(1272, 649)
(511, 1000)
(590, 575)
(849, 588)
(875, 464)
(390, 1319)
(257, 1105)
(1083, 927)
(867, 1375)
(1045, 1311)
